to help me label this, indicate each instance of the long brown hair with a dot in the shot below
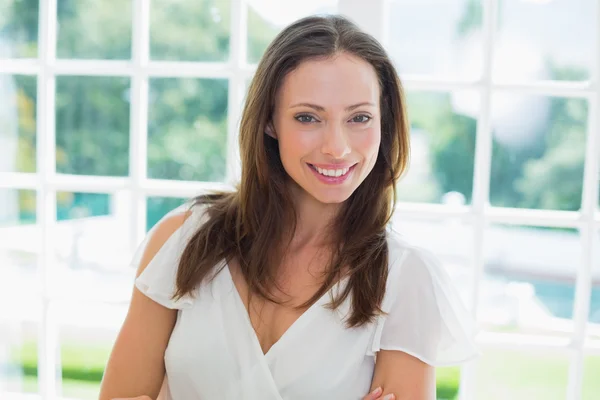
(248, 224)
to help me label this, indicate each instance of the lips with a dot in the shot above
(332, 174)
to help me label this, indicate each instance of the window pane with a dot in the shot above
(448, 382)
(87, 334)
(191, 30)
(538, 151)
(591, 383)
(157, 207)
(93, 29)
(17, 123)
(450, 239)
(260, 33)
(18, 28)
(446, 42)
(19, 246)
(92, 125)
(443, 129)
(529, 284)
(92, 247)
(557, 42)
(187, 129)
(594, 317)
(505, 374)
(267, 17)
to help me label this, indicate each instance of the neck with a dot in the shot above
(313, 220)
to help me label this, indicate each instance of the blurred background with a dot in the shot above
(114, 112)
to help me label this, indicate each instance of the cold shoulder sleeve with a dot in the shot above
(157, 280)
(425, 316)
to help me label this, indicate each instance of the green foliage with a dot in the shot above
(190, 30)
(19, 27)
(187, 119)
(98, 42)
(92, 125)
(187, 129)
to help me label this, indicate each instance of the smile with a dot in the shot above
(332, 175)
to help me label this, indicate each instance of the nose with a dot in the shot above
(335, 142)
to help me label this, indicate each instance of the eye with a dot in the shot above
(361, 119)
(305, 118)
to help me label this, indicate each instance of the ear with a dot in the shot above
(270, 130)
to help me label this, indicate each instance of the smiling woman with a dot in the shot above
(233, 289)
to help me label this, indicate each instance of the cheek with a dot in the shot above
(367, 143)
(294, 143)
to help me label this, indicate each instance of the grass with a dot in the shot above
(520, 376)
(501, 375)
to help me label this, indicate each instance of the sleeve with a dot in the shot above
(425, 316)
(157, 281)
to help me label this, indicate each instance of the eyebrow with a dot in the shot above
(320, 108)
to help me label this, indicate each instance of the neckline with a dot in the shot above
(301, 321)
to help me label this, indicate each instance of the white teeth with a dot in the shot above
(332, 172)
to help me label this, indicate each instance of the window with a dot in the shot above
(503, 183)
(102, 133)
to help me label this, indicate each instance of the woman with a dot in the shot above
(291, 287)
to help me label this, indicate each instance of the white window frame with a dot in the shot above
(374, 19)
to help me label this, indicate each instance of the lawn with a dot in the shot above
(501, 375)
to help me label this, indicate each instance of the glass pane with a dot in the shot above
(18, 28)
(92, 247)
(267, 17)
(19, 246)
(558, 41)
(187, 129)
(91, 29)
(514, 375)
(18, 123)
(538, 151)
(445, 43)
(87, 334)
(189, 30)
(92, 125)
(591, 383)
(448, 382)
(443, 129)
(157, 207)
(450, 239)
(529, 284)
(594, 317)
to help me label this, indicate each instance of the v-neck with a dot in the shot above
(301, 321)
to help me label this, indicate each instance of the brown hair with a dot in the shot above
(248, 223)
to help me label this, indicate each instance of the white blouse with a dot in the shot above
(214, 354)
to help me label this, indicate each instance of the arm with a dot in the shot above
(136, 364)
(407, 377)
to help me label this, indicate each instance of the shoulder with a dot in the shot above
(159, 235)
(408, 259)
(157, 258)
(425, 316)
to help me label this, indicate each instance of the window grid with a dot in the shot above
(140, 69)
(46, 199)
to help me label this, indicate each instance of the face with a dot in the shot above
(327, 123)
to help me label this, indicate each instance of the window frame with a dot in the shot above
(374, 19)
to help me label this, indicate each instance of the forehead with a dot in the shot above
(336, 81)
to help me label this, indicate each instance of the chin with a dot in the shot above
(332, 198)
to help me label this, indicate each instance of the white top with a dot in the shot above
(214, 354)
